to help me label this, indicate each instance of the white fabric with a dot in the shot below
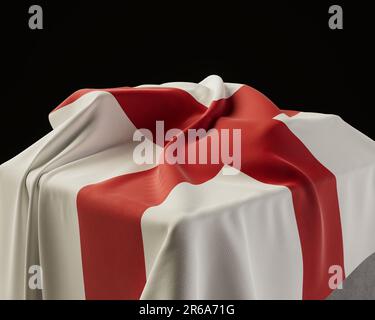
(350, 156)
(235, 236)
(38, 189)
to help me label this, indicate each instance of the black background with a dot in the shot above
(282, 48)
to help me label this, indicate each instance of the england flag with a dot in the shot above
(263, 203)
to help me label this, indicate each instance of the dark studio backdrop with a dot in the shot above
(285, 49)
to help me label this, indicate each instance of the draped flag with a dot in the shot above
(102, 226)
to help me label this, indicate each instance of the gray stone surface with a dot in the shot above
(360, 285)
